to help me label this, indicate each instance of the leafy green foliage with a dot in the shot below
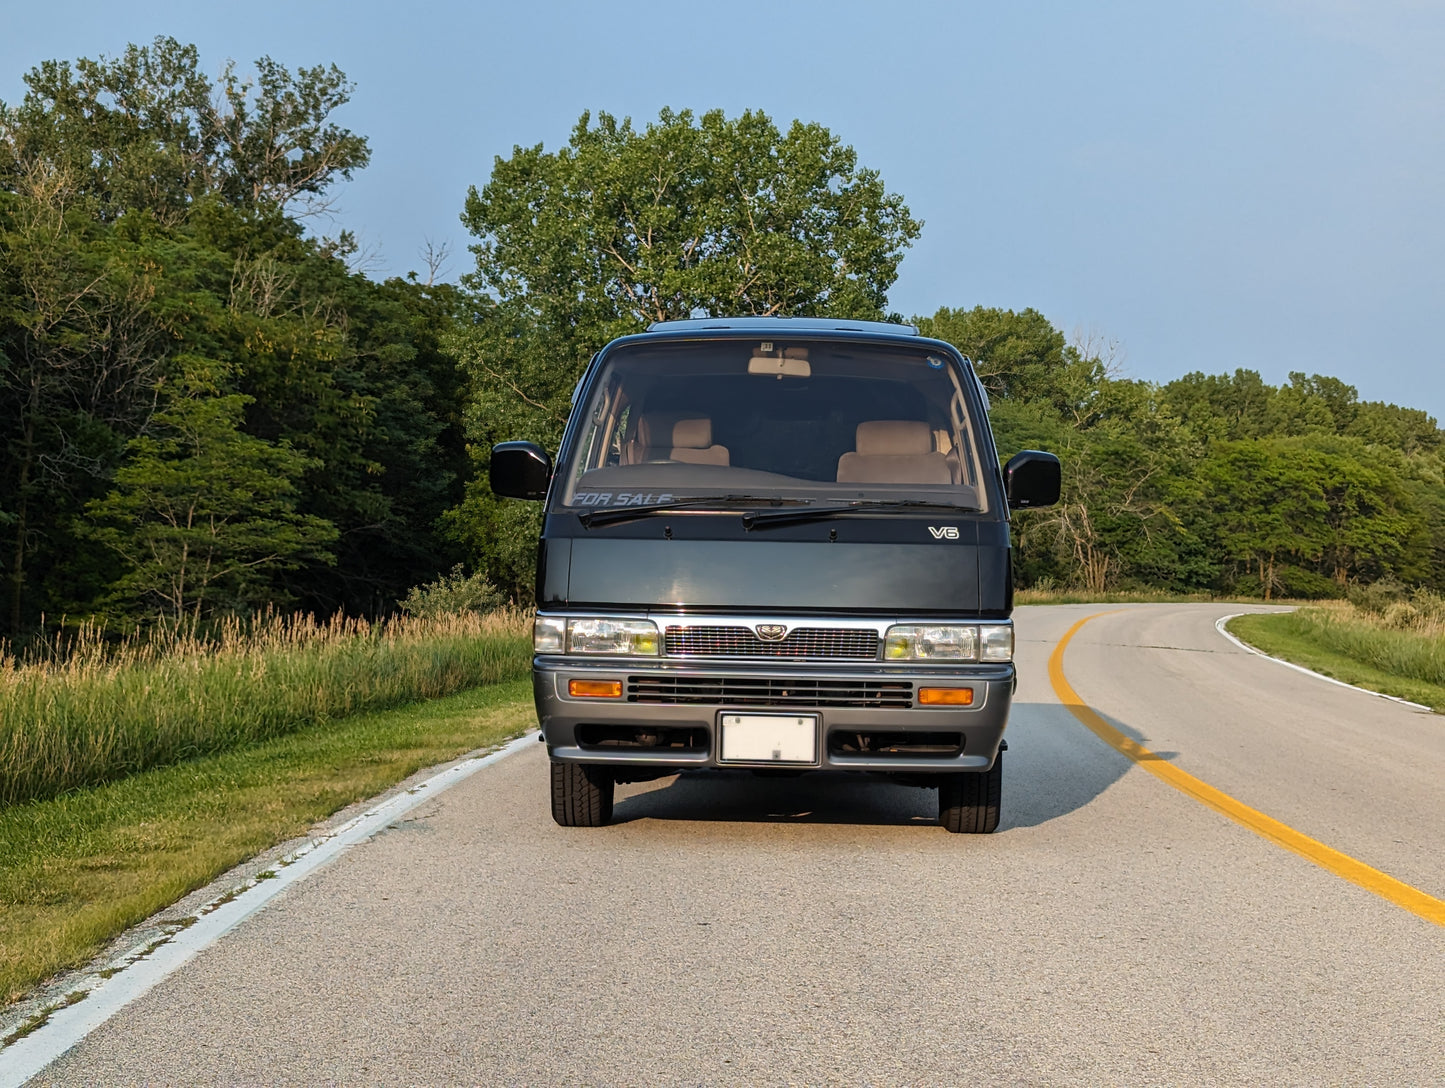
(451, 595)
(1219, 482)
(622, 227)
(149, 131)
(147, 229)
(201, 510)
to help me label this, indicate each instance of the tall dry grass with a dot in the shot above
(1398, 631)
(1052, 594)
(93, 711)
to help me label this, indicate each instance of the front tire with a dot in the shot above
(581, 794)
(968, 804)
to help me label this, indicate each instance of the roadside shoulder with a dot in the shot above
(50, 1021)
(1319, 656)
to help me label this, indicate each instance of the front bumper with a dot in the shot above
(854, 705)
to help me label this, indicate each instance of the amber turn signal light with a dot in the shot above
(594, 689)
(945, 696)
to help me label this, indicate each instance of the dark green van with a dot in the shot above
(778, 544)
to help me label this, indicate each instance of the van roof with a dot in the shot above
(784, 326)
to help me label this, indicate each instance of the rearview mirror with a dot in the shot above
(783, 367)
(520, 470)
(1032, 478)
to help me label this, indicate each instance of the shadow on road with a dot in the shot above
(742, 797)
(1054, 766)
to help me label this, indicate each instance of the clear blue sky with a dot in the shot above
(1255, 183)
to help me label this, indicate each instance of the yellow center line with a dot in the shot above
(1327, 858)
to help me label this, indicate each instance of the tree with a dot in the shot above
(201, 511)
(1368, 514)
(1113, 516)
(149, 131)
(621, 228)
(1222, 406)
(1022, 357)
(386, 441)
(1270, 506)
(1408, 430)
(1016, 355)
(79, 344)
(149, 216)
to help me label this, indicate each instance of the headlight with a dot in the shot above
(594, 635)
(611, 637)
(949, 642)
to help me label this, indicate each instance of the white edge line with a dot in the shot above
(1219, 626)
(67, 1026)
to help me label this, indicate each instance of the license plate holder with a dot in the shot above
(770, 740)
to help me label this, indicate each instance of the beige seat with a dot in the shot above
(692, 443)
(652, 439)
(893, 451)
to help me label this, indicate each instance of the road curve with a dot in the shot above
(809, 931)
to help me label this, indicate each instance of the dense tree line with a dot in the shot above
(1208, 482)
(204, 410)
(201, 408)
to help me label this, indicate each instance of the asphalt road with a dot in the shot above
(767, 931)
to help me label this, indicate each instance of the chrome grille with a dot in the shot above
(845, 643)
(769, 691)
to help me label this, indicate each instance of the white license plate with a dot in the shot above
(769, 738)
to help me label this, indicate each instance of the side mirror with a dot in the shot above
(1032, 478)
(520, 470)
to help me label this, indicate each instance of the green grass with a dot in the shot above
(1343, 644)
(99, 712)
(77, 869)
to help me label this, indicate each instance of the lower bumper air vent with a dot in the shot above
(906, 745)
(644, 738)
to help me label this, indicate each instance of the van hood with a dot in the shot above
(969, 576)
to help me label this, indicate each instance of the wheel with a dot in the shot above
(969, 803)
(581, 794)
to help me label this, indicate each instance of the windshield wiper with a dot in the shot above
(861, 506)
(611, 515)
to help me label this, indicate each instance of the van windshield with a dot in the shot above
(818, 421)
